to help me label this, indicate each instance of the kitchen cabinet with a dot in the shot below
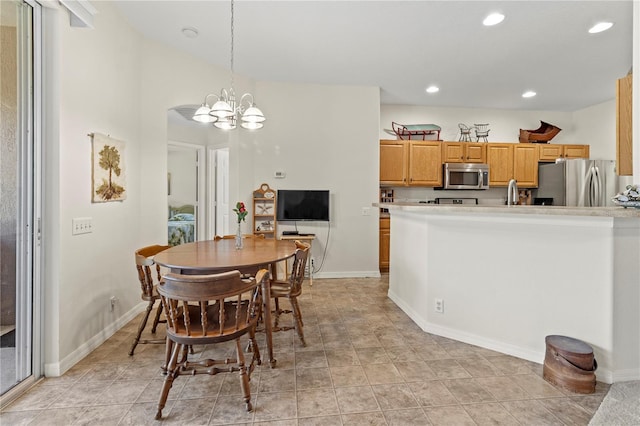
(394, 157)
(410, 163)
(464, 152)
(624, 141)
(385, 238)
(550, 152)
(500, 160)
(525, 165)
(517, 161)
(425, 163)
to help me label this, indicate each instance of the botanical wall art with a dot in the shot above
(108, 174)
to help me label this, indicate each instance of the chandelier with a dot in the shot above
(226, 109)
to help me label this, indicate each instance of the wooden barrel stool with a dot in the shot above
(569, 364)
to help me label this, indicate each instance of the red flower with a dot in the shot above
(241, 211)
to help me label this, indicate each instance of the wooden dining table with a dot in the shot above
(210, 257)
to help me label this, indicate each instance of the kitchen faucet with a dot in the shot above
(512, 193)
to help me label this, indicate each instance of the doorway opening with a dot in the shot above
(197, 178)
(20, 190)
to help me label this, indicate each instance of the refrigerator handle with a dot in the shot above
(598, 185)
(585, 190)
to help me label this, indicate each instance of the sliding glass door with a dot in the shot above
(19, 174)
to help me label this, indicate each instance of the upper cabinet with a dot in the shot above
(419, 163)
(410, 163)
(624, 147)
(500, 160)
(517, 161)
(551, 152)
(464, 152)
(425, 163)
(525, 165)
(393, 162)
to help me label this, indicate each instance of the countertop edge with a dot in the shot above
(518, 210)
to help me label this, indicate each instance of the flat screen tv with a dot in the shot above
(297, 204)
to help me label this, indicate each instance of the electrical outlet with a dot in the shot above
(439, 306)
(113, 302)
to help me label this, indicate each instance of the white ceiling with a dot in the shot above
(405, 46)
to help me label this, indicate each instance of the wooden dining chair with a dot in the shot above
(210, 309)
(148, 284)
(291, 289)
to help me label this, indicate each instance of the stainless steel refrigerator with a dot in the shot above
(578, 182)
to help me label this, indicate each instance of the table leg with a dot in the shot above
(268, 328)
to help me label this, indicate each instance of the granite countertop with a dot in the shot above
(520, 210)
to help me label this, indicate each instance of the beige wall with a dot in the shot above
(95, 88)
(113, 81)
(594, 126)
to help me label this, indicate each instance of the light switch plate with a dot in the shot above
(81, 225)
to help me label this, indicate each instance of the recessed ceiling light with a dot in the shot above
(432, 89)
(529, 94)
(600, 27)
(190, 32)
(493, 19)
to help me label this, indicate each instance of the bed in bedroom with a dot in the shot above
(181, 225)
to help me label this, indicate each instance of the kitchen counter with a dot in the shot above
(510, 275)
(536, 210)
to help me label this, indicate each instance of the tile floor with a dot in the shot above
(366, 363)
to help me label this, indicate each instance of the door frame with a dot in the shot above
(218, 181)
(31, 217)
(201, 202)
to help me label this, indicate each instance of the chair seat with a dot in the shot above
(282, 289)
(154, 295)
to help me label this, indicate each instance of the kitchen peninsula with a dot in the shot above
(507, 276)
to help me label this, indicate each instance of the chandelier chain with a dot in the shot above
(232, 28)
(227, 110)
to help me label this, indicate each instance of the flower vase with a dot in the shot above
(239, 237)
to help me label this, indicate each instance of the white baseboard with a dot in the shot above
(350, 274)
(625, 375)
(57, 369)
(602, 375)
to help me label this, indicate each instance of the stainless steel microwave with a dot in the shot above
(465, 176)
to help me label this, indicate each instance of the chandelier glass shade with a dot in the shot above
(225, 111)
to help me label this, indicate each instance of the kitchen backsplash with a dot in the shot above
(491, 196)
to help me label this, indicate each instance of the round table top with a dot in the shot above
(222, 255)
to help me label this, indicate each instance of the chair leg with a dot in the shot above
(157, 318)
(172, 372)
(277, 312)
(141, 327)
(254, 347)
(167, 355)
(297, 315)
(244, 378)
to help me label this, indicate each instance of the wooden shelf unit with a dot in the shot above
(264, 211)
